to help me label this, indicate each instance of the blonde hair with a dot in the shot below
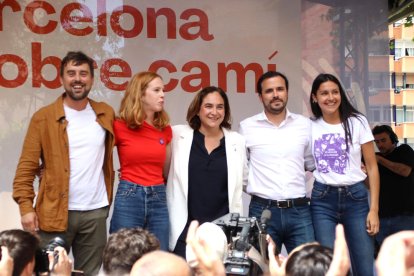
(131, 110)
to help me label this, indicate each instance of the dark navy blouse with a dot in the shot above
(207, 181)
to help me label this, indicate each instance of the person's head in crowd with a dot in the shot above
(125, 247)
(214, 236)
(22, 248)
(311, 259)
(160, 263)
(144, 100)
(385, 138)
(206, 260)
(209, 98)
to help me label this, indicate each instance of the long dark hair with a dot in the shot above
(346, 110)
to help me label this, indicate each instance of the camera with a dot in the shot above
(246, 236)
(42, 259)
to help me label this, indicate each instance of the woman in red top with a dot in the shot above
(142, 136)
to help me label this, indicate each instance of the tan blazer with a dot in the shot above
(47, 140)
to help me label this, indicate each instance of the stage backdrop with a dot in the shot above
(191, 44)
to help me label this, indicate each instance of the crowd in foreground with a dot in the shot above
(136, 252)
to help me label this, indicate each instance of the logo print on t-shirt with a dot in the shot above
(330, 153)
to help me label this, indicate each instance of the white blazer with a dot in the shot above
(177, 184)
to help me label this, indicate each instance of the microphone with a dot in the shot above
(266, 215)
(242, 243)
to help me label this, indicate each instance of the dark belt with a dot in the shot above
(286, 203)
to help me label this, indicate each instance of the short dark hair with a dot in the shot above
(22, 247)
(387, 129)
(192, 112)
(125, 247)
(312, 259)
(268, 75)
(78, 58)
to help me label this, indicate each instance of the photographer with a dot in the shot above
(21, 248)
(63, 266)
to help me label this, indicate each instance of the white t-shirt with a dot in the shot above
(87, 189)
(334, 164)
(278, 155)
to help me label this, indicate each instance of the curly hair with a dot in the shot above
(125, 247)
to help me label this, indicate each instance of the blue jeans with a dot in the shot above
(392, 225)
(141, 206)
(349, 206)
(288, 226)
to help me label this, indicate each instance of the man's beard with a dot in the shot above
(276, 110)
(77, 96)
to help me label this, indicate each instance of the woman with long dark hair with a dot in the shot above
(340, 137)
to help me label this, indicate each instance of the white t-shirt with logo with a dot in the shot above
(334, 164)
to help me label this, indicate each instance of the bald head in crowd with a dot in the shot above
(160, 263)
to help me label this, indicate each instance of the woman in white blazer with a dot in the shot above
(208, 166)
